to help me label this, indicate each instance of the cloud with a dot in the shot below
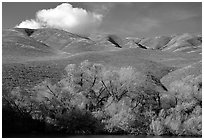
(29, 24)
(65, 17)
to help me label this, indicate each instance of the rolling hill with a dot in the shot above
(30, 56)
(18, 45)
(186, 43)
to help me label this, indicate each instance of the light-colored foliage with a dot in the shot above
(93, 98)
(186, 117)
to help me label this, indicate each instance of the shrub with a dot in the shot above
(188, 88)
(92, 99)
(186, 117)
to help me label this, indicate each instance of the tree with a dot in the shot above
(185, 117)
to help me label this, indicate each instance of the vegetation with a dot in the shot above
(93, 99)
(186, 117)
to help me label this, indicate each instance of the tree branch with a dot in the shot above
(106, 87)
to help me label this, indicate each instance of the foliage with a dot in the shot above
(186, 117)
(93, 99)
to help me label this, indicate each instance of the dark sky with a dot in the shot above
(132, 19)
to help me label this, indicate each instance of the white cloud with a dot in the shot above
(66, 17)
(29, 24)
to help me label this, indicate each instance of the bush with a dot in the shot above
(186, 117)
(92, 99)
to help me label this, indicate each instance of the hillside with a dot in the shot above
(57, 43)
(48, 51)
(185, 43)
(194, 70)
(16, 44)
(27, 72)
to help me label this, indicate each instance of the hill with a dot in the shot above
(16, 44)
(25, 73)
(185, 43)
(30, 56)
(194, 69)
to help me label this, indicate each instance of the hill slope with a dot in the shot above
(30, 56)
(194, 69)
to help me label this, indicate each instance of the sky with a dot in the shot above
(125, 19)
